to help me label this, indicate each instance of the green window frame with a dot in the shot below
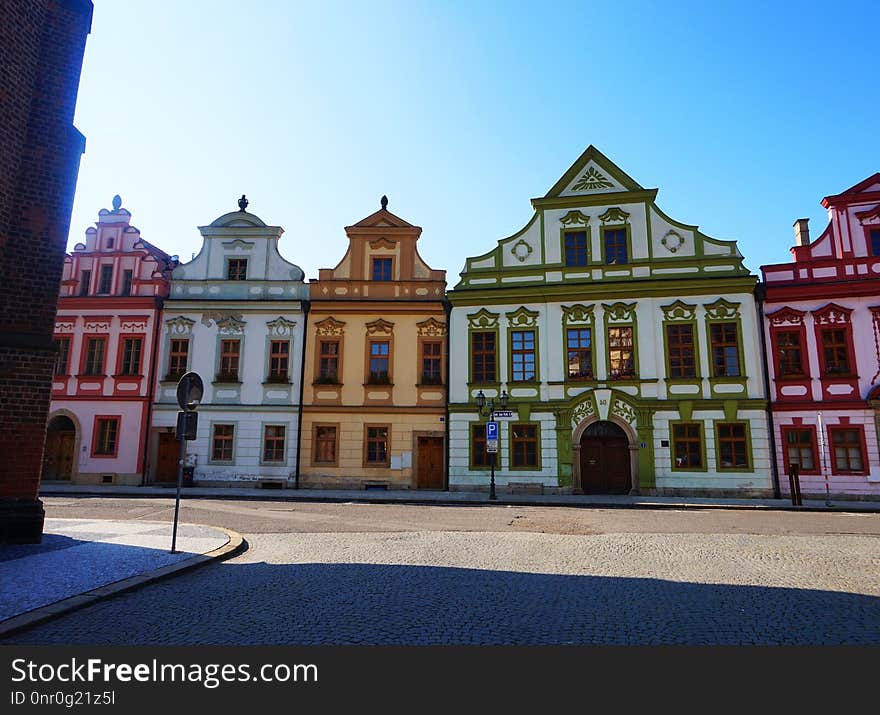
(579, 353)
(733, 451)
(523, 355)
(688, 446)
(524, 443)
(484, 357)
(478, 458)
(575, 247)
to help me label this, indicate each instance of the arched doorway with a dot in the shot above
(60, 449)
(605, 459)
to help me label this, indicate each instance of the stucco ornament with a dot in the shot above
(575, 218)
(522, 318)
(521, 250)
(679, 311)
(582, 411)
(722, 310)
(280, 327)
(624, 410)
(431, 328)
(329, 326)
(592, 180)
(577, 314)
(614, 215)
(672, 241)
(180, 325)
(620, 312)
(483, 319)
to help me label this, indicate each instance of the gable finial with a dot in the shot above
(384, 202)
(117, 203)
(243, 203)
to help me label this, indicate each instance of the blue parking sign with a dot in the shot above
(491, 431)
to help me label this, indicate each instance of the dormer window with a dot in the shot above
(382, 269)
(236, 269)
(110, 242)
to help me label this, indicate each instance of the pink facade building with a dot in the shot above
(822, 329)
(111, 296)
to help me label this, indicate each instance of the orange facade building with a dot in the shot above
(374, 400)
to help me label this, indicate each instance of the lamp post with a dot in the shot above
(488, 408)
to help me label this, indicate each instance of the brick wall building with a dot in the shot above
(41, 53)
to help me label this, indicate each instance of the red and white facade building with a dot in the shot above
(822, 329)
(106, 329)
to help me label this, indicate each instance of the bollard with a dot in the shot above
(794, 483)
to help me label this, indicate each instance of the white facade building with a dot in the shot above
(235, 317)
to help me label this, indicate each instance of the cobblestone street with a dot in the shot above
(505, 587)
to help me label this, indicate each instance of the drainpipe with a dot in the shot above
(447, 308)
(760, 293)
(151, 390)
(302, 374)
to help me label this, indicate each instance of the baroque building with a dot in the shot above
(375, 375)
(626, 342)
(822, 324)
(106, 331)
(235, 317)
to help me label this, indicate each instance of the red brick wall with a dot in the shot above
(41, 53)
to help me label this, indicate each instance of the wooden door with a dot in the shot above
(429, 466)
(605, 467)
(167, 458)
(58, 457)
(592, 476)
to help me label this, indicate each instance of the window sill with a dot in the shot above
(277, 382)
(226, 381)
(93, 377)
(378, 384)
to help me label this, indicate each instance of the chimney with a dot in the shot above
(802, 232)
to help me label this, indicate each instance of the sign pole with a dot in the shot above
(179, 473)
(824, 462)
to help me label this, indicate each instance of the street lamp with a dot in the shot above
(489, 408)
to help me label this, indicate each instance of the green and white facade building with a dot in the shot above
(628, 344)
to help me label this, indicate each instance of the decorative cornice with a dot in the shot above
(722, 309)
(616, 214)
(180, 326)
(330, 326)
(97, 325)
(65, 326)
(831, 314)
(786, 316)
(574, 218)
(219, 316)
(231, 325)
(431, 328)
(383, 243)
(620, 312)
(483, 319)
(577, 314)
(591, 180)
(521, 250)
(380, 326)
(679, 311)
(281, 327)
(522, 318)
(238, 243)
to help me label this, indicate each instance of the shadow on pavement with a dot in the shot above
(336, 604)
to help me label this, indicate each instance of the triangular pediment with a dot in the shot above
(593, 173)
(869, 187)
(382, 218)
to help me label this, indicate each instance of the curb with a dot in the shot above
(508, 500)
(24, 621)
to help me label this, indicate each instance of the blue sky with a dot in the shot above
(744, 115)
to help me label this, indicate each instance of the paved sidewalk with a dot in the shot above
(81, 561)
(413, 496)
